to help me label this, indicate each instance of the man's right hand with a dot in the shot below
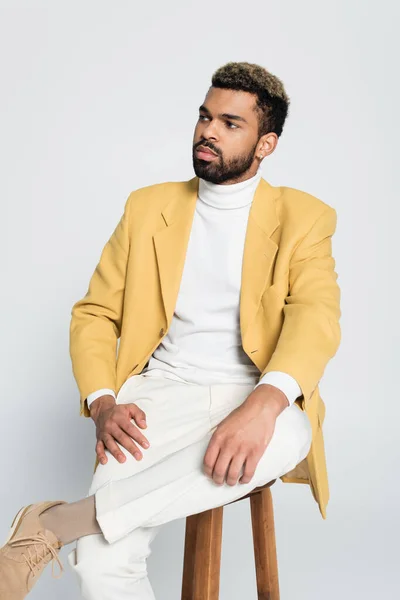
(113, 423)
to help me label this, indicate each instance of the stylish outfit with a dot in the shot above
(206, 286)
(203, 343)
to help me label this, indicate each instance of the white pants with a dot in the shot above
(133, 499)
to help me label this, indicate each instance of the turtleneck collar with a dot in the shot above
(234, 195)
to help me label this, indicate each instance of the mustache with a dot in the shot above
(206, 146)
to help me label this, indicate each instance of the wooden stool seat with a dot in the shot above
(203, 540)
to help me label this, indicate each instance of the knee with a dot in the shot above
(299, 431)
(105, 578)
(304, 433)
(289, 444)
(99, 565)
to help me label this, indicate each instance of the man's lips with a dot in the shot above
(205, 153)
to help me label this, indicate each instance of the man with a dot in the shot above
(223, 293)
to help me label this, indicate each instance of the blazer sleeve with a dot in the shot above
(311, 333)
(96, 319)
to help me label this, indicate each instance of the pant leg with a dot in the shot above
(176, 416)
(175, 486)
(114, 571)
(135, 498)
(289, 445)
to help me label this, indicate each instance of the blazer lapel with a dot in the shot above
(259, 252)
(171, 242)
(171, 245)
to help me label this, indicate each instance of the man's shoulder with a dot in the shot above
(299, 201)
(158, 191)
(298, 210)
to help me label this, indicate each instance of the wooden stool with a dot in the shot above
(203, 538)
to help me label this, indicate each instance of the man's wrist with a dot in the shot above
(106, 401)
(273, 397)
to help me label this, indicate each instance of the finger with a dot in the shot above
(127, 443)
(235, 467)
(133, 432)
(112, 446)
(249, 469)
(221, 467)
(138, 414)
(210, 457)
(100, 451)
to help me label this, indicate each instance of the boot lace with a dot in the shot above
(40, 550)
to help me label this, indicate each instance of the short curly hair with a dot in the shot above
(272, 101)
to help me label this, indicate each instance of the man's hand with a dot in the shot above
(242, 437)
(113, 422)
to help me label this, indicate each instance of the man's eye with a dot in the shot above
(227, 123)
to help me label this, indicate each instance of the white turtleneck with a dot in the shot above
(203, 342)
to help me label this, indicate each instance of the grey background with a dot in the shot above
(100, 98)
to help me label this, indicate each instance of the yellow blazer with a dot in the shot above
(289, 298)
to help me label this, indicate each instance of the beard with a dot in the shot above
(219, 171)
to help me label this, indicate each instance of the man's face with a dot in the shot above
(234, 138)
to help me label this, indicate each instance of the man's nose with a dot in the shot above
(210, 131)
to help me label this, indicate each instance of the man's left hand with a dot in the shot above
(242, 437)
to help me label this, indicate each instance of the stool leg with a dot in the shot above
(262, 519)
(189, 557)
(202, 557)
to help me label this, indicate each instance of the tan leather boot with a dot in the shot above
(27, 550)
